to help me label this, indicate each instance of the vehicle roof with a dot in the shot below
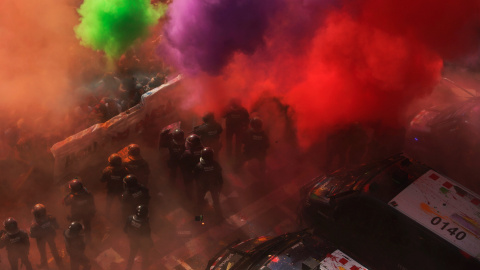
(391, 176)
(456, 111)
(288, 251)
(444, 207)
(428, 198)
(382, 180)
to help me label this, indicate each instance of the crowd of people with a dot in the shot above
(113, 94)
(29, 131)
(127, 180)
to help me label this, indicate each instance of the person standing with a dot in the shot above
(174, 141)
(256, 143)
(134, 194)
(75, 246)
(208, 177)
(43, 229)
(236, 123)
(136, 164)
(189, 160)
(138, 231)
(81, 204)
(113, 175)
(209, 132)
(17, 244)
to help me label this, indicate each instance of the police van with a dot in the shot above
(399, 214)
(299, 250)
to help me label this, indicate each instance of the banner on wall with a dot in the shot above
(90, 147)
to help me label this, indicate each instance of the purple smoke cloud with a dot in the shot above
(204, 34)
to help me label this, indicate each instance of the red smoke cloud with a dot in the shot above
(360, 73)
(366, 61)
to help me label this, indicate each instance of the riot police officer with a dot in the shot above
(43, 229)
(82, 204)
(236, 123)
(138, 231)
(208, 177)
(175, 142)
(134, 194)
(209, 132)
(113, 175)
(189, 160)
(136, 165)
(17, 244)
(75, 246)
(256, 143)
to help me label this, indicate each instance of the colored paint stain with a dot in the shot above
(427, 209)
(430, 210)
(467, 223)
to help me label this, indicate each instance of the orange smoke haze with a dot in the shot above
(42, 61)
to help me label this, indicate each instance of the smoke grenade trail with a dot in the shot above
(114, 25)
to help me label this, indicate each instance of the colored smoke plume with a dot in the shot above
(358, 60)
(114, 25)
(41, 60)
(204, 35)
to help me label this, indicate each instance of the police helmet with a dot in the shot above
(207, 154)
(178, 136)
(115, 160)
(208, 117)
(130, 181)
(75, 228)
(39, 210)
(11, 225)
(133, 150)
(75, 185)
(193, 141)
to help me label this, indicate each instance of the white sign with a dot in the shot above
(445, 208)
(338, 260)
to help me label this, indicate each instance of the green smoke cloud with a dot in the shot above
(114, 25)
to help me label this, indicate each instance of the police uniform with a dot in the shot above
(255, 146)
(208, 177)
(139, 167)
(82, 207)
(75, 246)
(139, 235)
(175, 151)
(113, 176)
(188, 161)
(43, 230)
(131, 198)
(236, 122)
(210, 135)
(18, 247)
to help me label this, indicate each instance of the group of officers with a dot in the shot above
(196, 155)
(127, 179)
(121, 184)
